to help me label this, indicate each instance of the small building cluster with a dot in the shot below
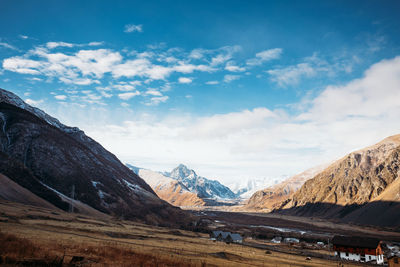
(278, 240)
(362, 249)
(226, 237)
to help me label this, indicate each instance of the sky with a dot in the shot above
(236, 90)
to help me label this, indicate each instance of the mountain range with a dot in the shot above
(50, 159)
(169, 189)
(271, 197)
(203, 187)
(183, 187)
(362, 187)
(247, 187)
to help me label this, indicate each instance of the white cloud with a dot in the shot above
(127, 96)
(21, 65)
(265, 56)
(95, 43)
(89, 66)
(263, 142)
(133, 28)
(78, 68)
(153, 92)
(23, 36)
(60, 97)
(229, 78)
(231, 66)
(52, 45)
(184, 80)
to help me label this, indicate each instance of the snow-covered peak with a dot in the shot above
(202, 186)
(182, 172)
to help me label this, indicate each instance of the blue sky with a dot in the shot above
(234, 89)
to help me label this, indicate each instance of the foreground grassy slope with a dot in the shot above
(31, 233)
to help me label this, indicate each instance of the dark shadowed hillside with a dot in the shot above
(48, 158)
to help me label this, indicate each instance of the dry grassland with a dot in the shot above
(31, 235)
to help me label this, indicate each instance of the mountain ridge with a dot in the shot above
(361, 187)
(54, 157)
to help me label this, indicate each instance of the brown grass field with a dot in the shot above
(41, 237)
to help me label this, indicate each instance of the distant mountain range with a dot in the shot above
(247, 187)
(169, 189)
(271, 197)
(203, 187)
(48, 159)
(183, 187)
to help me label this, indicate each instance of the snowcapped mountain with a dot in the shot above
(168, 188)
(202, 186)
(246, 188)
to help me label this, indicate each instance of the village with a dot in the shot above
(371, 251)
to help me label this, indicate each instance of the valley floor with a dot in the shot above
(273, 224)
(30, 235)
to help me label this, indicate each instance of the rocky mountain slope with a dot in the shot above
(48, 158)
(356, 188)
(168, 189)
(202, 186)
(271, 197)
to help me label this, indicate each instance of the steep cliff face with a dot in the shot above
(59, 157)
(361, 181)
(271, 197)
(168, 189)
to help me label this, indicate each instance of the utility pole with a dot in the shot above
(71, 204)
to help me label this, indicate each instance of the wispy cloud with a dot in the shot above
(52, 45)
(291, 75)
(229, 78)
(133, 28)
(154, 101)
(95, 43)
(265, 56)
(212, 82)
(6, 45)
